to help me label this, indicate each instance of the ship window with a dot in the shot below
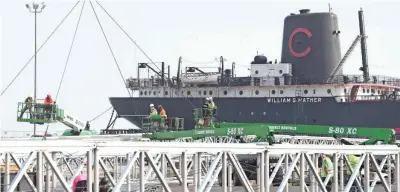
(256, 72)
(280, 71)
(379, 91)
(363, 90)
(210, 92)
(176, 92)
(281, 91)
(241, 92)
(367, 90)
(345, 90)
(204, 92)
(273, 92)
(166, 93)
(145, 93)
(329, 91)
(199, 92)
(154, 92)
(188, 92)
(372, 90)
(141, 92)
(305, 91)
(257, 92)
(313, 91)
(225, 92)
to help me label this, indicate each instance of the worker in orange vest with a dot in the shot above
(48, 102)
(163, 114)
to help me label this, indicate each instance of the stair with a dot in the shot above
(340, 64)
(353, 93)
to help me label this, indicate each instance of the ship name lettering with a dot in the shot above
(295, 100)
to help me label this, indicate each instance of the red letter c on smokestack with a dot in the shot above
(292, 51)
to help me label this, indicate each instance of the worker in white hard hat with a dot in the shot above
(27, 106)
(211, 108)
(153, 110)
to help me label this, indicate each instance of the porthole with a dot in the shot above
(256, 72)
(210, 92)
(257, 92)
(372, 90)
(241, 92)
(313, 91)
(329, 91)
(199, 92)
(141, 92)
(166, 93)
(367, 90)
(273, 92)
(154, 92)
(252, 113)
(305, 91)
(145, 93)
(265, 113)
(281, 91)
(225, 92)
(363, 90)
(280, 71)
(345, 90)
(188, 93)
(204, 92)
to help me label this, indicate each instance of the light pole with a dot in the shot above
(35, 8)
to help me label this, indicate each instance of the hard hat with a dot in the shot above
(152, 105)
(207, 99)
(210, 98)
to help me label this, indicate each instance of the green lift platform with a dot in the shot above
(264, 132)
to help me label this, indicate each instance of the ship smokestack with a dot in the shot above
(311, 46)
(364, 57)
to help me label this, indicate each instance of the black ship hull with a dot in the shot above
(311, 111)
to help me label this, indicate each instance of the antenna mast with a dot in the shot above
(330, 8)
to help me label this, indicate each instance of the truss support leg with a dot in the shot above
(39, 171)
(266, 171)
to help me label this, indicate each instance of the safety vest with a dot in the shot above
(153, 112)
(163, 113)
(326, 164)
(212, 106)
(353, 160)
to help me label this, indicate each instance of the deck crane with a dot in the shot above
(42, 113)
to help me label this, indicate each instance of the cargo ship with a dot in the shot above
(306, 87)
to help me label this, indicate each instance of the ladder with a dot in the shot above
(340, 64)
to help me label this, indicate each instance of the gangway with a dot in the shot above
(40, 113)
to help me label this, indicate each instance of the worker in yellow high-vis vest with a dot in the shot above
(353, 160)
(326, 169)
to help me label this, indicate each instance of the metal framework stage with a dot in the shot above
(147, 166)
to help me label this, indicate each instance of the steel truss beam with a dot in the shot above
(156, 157)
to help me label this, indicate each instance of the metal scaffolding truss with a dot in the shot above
(194, 166)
